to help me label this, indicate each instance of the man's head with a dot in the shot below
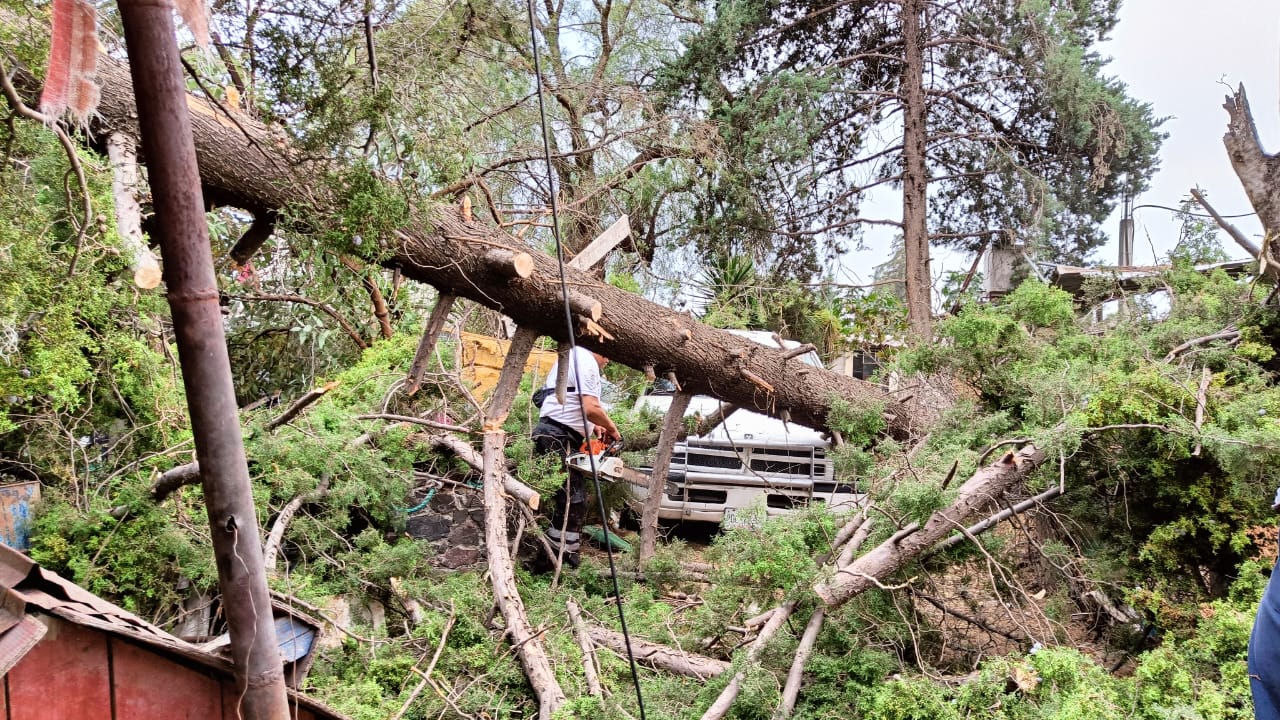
(600, 359)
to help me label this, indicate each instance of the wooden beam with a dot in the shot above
(595, 251)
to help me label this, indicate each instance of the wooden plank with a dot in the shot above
(63, 676)
(151, 687)
(595, 251)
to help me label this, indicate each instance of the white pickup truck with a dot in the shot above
(748, 461)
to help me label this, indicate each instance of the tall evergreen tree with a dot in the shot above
(995, 119)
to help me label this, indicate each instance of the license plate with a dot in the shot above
(748, 520)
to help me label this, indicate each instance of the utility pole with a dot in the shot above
(192, 291)
(1126, 230)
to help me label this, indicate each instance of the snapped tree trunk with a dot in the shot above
(246, 165)
(1258, 171)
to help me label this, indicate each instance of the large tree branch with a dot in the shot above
(887, 558)
(439, 247)
(1243, 241)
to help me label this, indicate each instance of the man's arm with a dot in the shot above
(596, 414)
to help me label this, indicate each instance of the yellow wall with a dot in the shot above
(481, 362)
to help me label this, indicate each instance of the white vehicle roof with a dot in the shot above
(745, 426)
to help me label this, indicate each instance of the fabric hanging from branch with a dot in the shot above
(71, 86)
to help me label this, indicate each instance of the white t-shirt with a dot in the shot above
(584, 377)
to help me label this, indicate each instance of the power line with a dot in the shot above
(1192, 214)
(573, 344)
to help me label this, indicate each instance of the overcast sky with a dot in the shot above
(1177, 55)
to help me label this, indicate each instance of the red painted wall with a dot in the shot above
(63, 677)
(76, 673)
(151, 687)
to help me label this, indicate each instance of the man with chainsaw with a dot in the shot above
(561, 430)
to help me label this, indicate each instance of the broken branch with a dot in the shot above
(422, 358)
(301, 404)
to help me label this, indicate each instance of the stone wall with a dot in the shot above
(453, 523)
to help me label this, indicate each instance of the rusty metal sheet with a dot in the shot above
(64, 676)
(12, 609)
(18, 640)
(14, 566)
(149, 686)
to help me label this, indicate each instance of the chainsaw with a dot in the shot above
(595, 455)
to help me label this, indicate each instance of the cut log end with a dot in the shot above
(515, 264)
(147, 275)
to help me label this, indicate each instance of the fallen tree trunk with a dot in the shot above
(887, 558)
(658, 656)
(244, 164)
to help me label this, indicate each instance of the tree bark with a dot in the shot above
(915, 175)
(589, 668)
(672, 424)
(527, 643)
(658, 656)
(533, 657)
(244, 164)
(125, 181)
(430, 334)
(795, 676)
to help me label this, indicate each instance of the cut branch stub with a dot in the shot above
(509, 263)
(562, 370)
(260, 230)
(301, 404)
(585, 305)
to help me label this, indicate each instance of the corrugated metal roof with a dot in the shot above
(27, 587)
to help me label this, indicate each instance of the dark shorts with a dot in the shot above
(569, 505)
(1264, 653)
